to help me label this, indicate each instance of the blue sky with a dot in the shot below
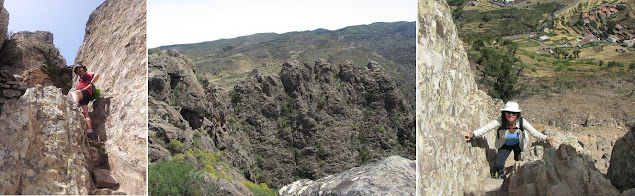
(190, 21)
(65, 19)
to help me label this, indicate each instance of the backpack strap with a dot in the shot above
(522, 129)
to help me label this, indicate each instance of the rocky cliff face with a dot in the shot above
(448, 102)
(621, 169)
(43, 150)
(391, 176)
(307, 122)
(315, 120)
(4, 22)
(115, 47)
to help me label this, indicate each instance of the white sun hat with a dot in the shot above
(511, 107)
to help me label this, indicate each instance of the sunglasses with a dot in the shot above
(514, 113)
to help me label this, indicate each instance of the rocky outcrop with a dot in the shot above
(621, 169)
(316, 120)
(391, 176)
(4, 22)
(561, 171)
(44, 149)
(115, 47)
(307, 122)
(33, 59)
(448, 102)
(30, 50)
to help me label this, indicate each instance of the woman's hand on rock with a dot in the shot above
(553, 139)
(468, 136)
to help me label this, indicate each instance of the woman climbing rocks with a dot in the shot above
(84, 93)
(511, 135)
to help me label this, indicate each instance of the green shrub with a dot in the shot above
(153, 51)
(171, 178)
(282, 122)
(321, 152)
(632, 65)
(615, 64)
(259, 189)
(176, 146)
(207, 161)
(235, 98)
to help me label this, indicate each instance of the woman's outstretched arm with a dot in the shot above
(480, 131)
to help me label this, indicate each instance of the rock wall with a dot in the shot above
(448, 102)
(621, 169)
(43, 149)
(4, 22)
(557, 171)
(391, 176)
(10, 88)
(115, 47)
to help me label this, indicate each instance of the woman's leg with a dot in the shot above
(501, 156)
(77, 95)
(87, 118)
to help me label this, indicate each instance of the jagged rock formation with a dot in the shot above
(28, 50)
(448, 102)
(43, 150)
(4, 22)
(312, 121)
(115, 47)
(184, 110)
(561, 171)
(33, 59)
(391, 176)
(621, 169)
(308, 122)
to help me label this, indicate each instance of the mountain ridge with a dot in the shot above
(228, 61)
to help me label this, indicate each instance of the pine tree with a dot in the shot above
(498, 72)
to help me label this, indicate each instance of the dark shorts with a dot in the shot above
(86, 97)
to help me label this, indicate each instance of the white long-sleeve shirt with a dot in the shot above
(524, 137)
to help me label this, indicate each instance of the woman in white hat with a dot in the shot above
(511, 135)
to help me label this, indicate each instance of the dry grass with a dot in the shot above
(483, 6)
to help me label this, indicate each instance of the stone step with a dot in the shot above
(492, 186)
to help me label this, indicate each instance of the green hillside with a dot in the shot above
(228, 61)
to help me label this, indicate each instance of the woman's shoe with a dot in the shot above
(92, 135)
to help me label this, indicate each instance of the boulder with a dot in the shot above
(391, 176)
(557, 171)
(115, 47)
(104, 178)
(43, 150)
(621, 168)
